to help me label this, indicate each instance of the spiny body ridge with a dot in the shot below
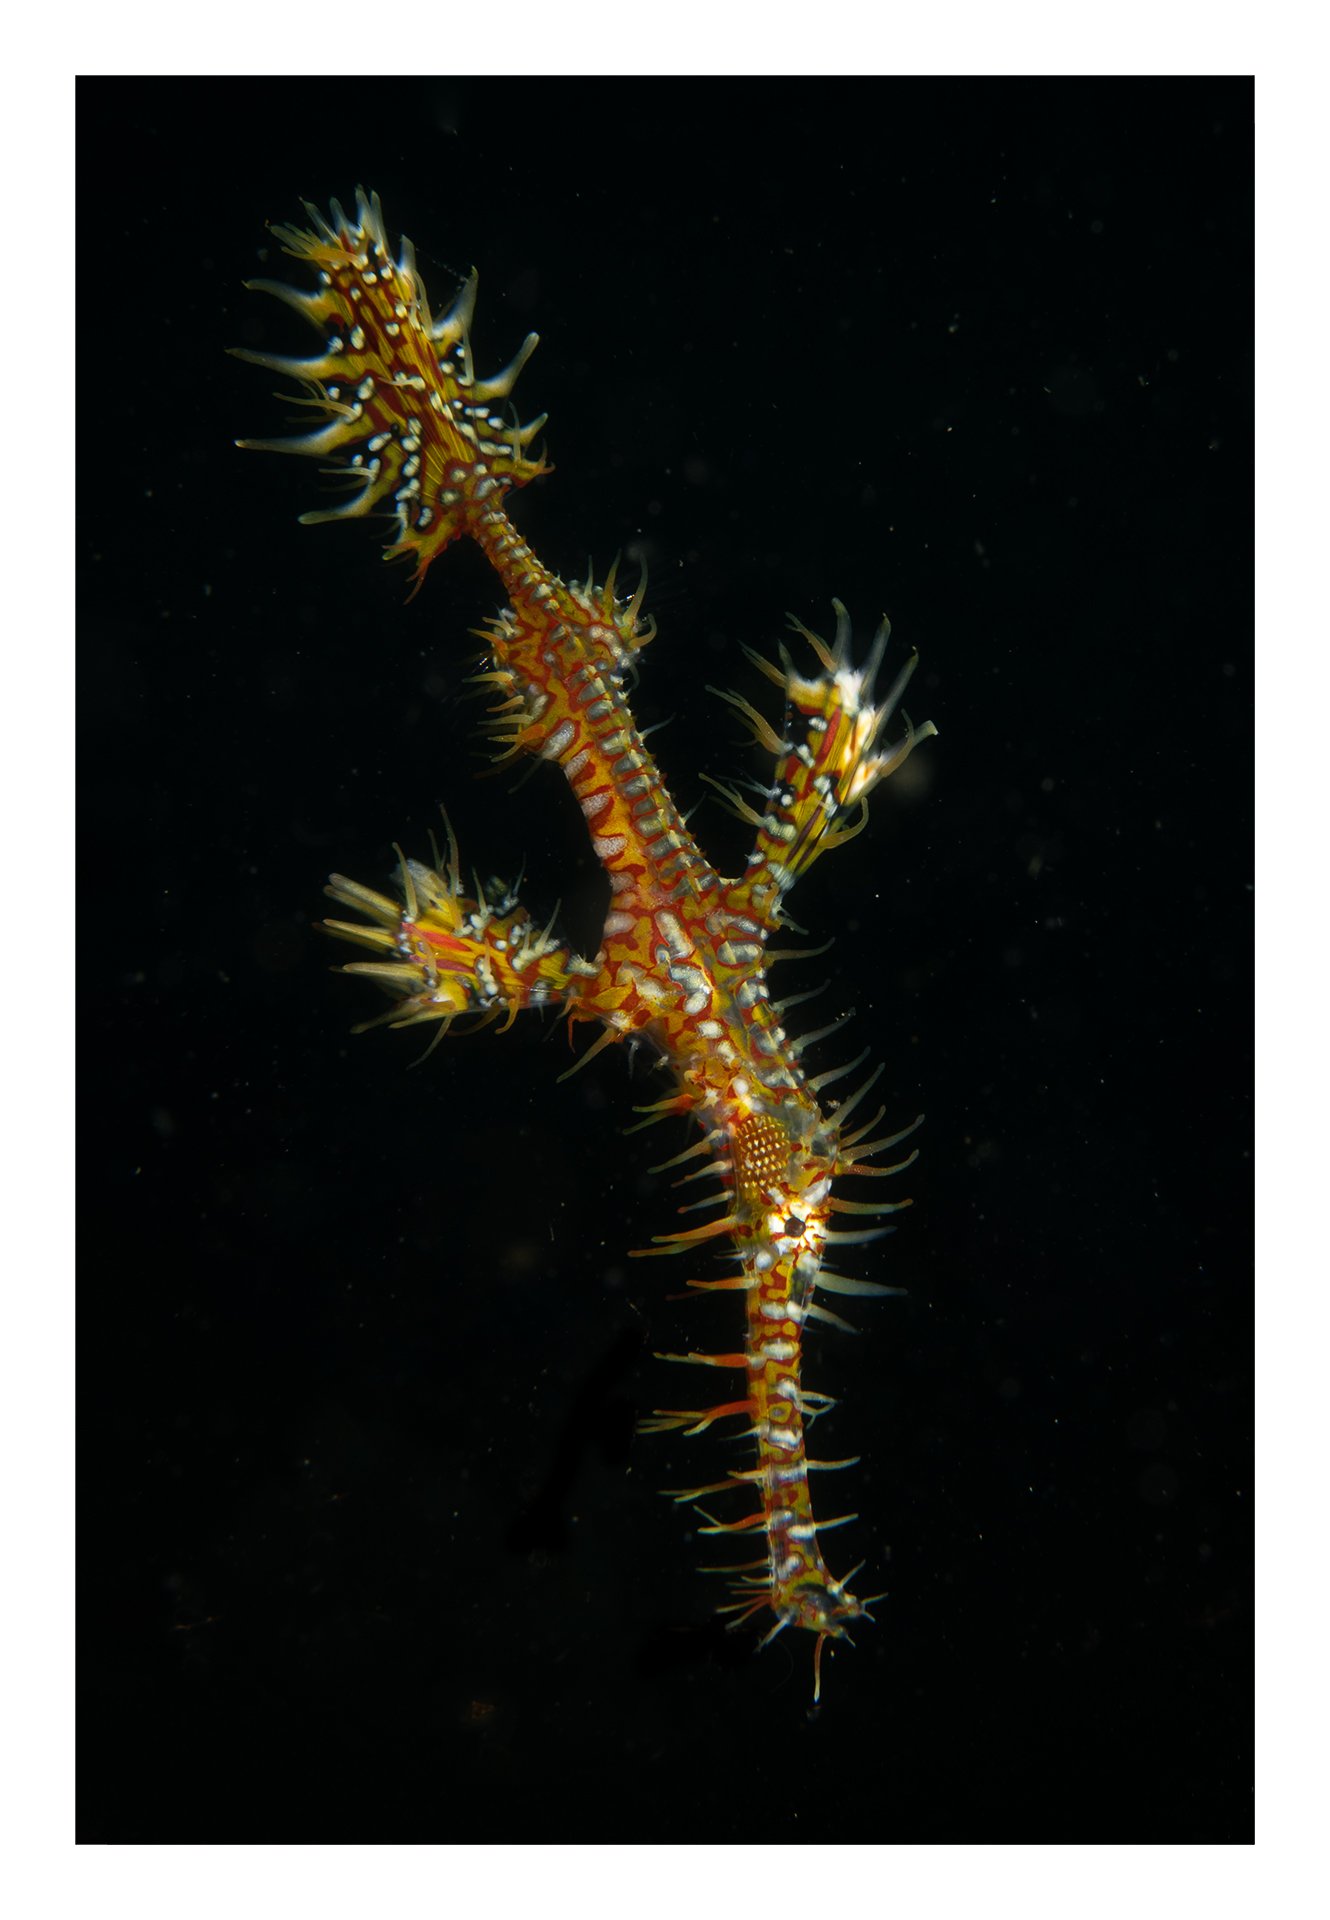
(683, 957)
